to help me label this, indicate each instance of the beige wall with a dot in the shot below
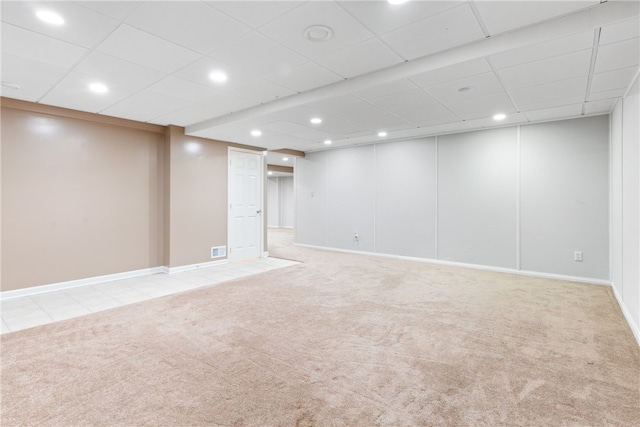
(85, 195)
(79, 198)
(197, 194)
(198, 197)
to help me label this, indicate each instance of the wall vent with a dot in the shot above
(218, 251)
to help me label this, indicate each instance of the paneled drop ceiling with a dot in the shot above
(414, 69)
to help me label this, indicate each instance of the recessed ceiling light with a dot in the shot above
(285, 159)
(9, 85)
(499, 117)
(397, 1)
(50, 17)
(98, 88)
(327, 142)
(381, 134)
(218, 76)
(316, 120)
(256, 132)
(465, 89)
(318, 33)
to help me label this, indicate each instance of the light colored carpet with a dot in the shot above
(341, 340)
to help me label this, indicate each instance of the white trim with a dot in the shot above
(518, 200)
(435, 234)
(627, 315)
(586, 280)
(33, 290)
(180, 269)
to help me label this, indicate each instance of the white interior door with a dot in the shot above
(245, 205)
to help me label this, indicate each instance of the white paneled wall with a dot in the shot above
(280, 202)
(477, 197)
(406, 171)
(564, 173)
(522, 197)
(625, 205)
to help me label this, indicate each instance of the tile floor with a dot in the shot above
(39, 309)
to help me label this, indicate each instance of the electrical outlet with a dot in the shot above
(577, 256)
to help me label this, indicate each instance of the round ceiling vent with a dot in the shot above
(318, 33)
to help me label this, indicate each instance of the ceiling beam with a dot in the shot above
(586, 19)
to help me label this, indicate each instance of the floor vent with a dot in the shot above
(218, 251)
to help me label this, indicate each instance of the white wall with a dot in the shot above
(564, 202)
(625, 206)
(470, 198)
(280, 201)
(477, 197)
(406, 181)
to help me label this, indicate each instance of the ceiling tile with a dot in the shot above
(198, 72)
(382, 17)
(482, 106)
(560, 90)
(385, 89)
(114, 9)
(536, 52)
(548, 70)
(501, 16)
(552, 103)
(337, 126)
(402, 101)
(480, 84)
(284, 126)
(189, 115)
(613, 79)
(615, 93)
(29, 45)
(33, 78)
(188, 24)
(600, 106)
(564, 111)
(452, 72)
(107, 67)
(258, 54)
(371, 55)
(82, 26)
(254, 13)
(289, 29)
(617, 55)
(304, 77)
(145, 106)
(357, 111)
(428, 115)
(459, 126)
(144, 49)
(73, 92)
(183, 89)
(511, 119)
(312, 135)
(262, 91)
(228, 102)
(450, 28)
(620, 31)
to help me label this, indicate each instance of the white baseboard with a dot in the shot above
(180, 269)
(587, 280)
(634, 328)
(79, 282)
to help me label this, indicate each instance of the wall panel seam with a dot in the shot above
(518, 200)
